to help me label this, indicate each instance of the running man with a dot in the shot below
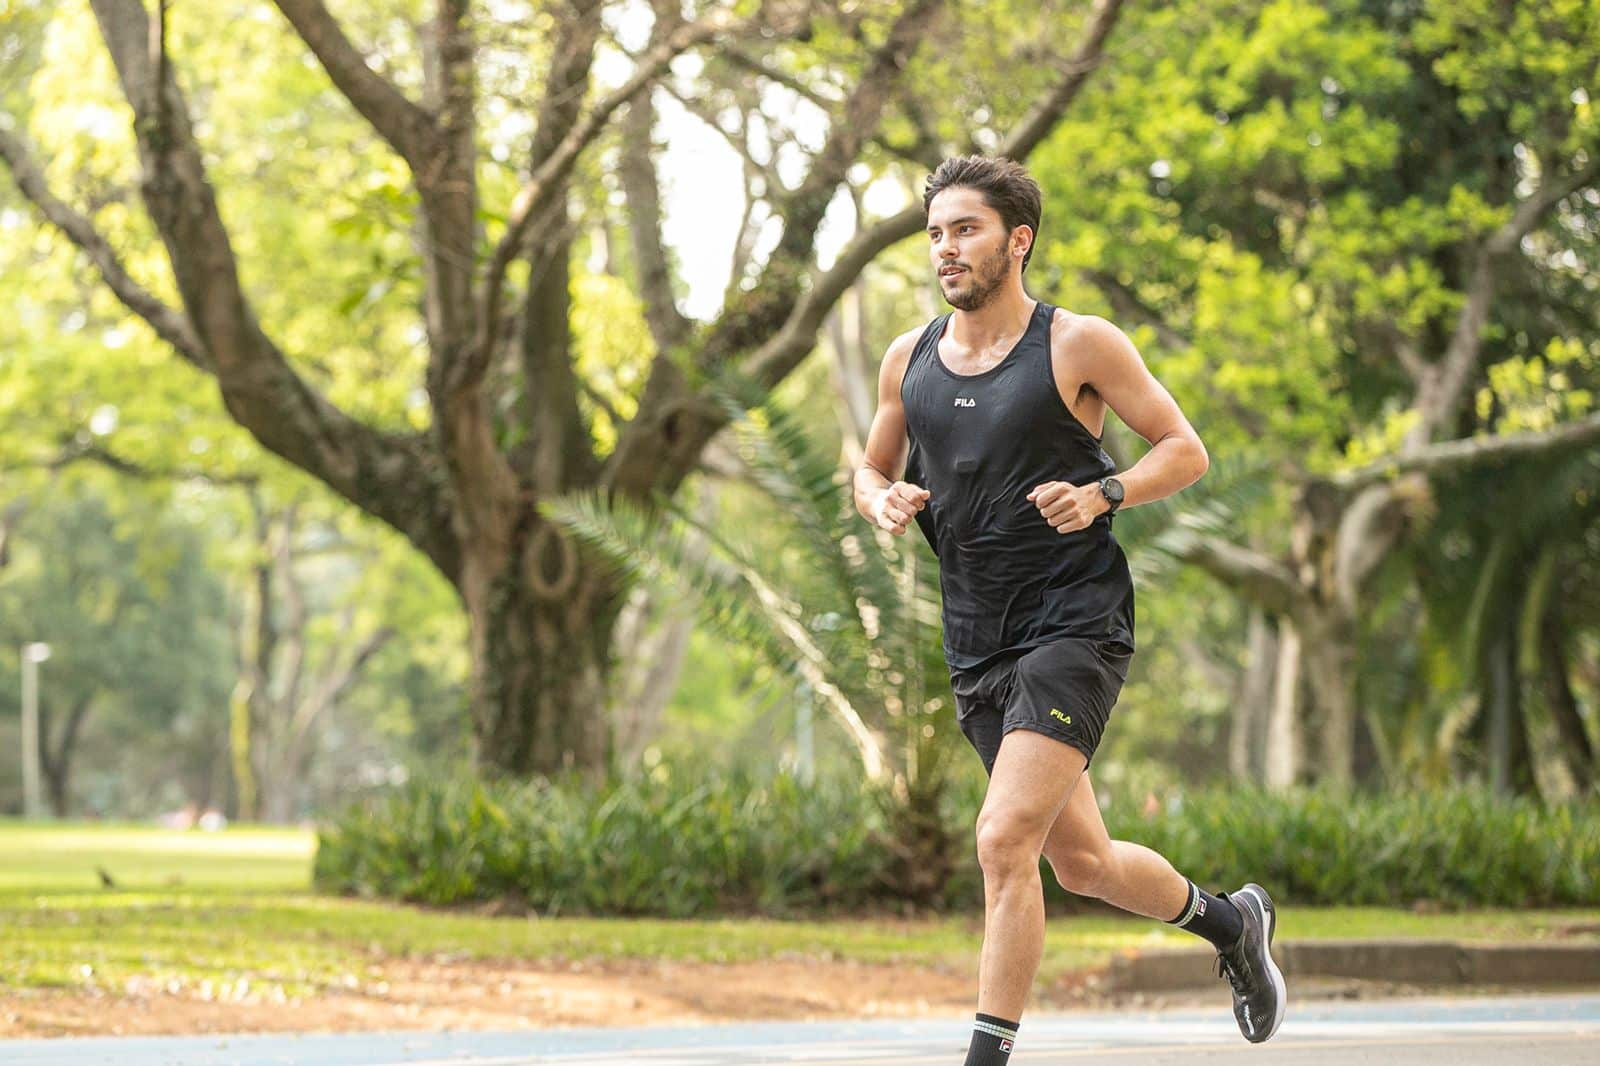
(995, 411)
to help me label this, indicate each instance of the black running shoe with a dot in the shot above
(1259, 997)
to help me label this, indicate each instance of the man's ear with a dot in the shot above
(1022, 251)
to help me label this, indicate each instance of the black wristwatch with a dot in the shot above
(1111, 489)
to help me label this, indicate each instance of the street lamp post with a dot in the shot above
(32, 655)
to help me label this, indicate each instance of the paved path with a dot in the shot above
(1531, 1031)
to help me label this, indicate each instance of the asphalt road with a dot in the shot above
(1531, 1031)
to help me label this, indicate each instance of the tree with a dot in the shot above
(1339, 220)
(510, 422)
(850, 611)
(292, 673)
(131, 619)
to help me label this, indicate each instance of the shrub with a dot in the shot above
(1312, 846)
(682, 844)
(672, 845)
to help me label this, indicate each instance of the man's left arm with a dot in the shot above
(1112, 366)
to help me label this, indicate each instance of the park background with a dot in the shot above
(428, 426)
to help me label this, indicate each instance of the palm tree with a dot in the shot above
(851, 611)
(1503, 578)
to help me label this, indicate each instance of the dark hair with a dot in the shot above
(1005, 185)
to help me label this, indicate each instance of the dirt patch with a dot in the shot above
(468, 994)
(445, 994)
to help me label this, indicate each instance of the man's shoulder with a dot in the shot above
(899, 351)
(1070, 327)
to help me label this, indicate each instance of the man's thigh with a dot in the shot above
(1078, 828)
(1034, 777)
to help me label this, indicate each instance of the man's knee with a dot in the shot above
(1007, 845)
(1081, 872)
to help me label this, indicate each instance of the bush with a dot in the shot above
(671, 845)
(693, 844)
(1310, 846)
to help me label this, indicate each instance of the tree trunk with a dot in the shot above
(55, 759)
(279, 806)
(1329, 655)
(241, 753)
(1576, 749)
(1282, 755)
(1252, 705)
(854, 369)
(654, 637)
(1510, 766)
(650, 643)
(540, 634)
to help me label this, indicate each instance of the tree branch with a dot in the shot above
(559, 452)
(641, 186)
(10, 516)
(782, 353)
(739, 141)
(1455, 455)
(335, 683)
(803, 209)
(786, 346)
(1257, 577)
(170, 324)
(90, 450)
(393, 477)
(756, 65)
(1086, 58)
(1443, 384)
(293, 669)
(547, 177)
(744, 241)
(1129, 305)
(447, 181)
(403, 124)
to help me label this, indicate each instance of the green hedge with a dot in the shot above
(669, 846)
(1459, 848)
(681, 845)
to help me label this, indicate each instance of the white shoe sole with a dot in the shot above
(1269, 917)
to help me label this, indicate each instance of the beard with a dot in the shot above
(982, 282)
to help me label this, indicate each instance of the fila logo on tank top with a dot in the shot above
(979, 444)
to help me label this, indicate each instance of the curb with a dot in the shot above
(1425, 962)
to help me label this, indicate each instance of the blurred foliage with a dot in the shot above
(117, 586)
(686, 841)
(1452, 846)
(1274, 199)
(143, 613)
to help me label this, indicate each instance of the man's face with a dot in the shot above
(970, 247)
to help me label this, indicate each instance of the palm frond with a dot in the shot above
(654, 546)
(787, 464)
(1217, 504)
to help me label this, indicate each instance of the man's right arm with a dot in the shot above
(881, 498)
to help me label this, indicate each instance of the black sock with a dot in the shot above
(1211, 917)
(991, 1041)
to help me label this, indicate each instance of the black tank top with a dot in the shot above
(979, 445)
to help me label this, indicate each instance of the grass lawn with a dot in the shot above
(191, 908)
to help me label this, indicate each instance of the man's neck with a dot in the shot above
(996, 322)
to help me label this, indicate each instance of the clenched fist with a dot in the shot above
(898, 505)
(1069, 507)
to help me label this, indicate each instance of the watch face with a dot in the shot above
(1112, 488)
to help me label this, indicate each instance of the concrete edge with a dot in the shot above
(1424, 962)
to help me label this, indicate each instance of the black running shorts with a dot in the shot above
(1064, 690)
